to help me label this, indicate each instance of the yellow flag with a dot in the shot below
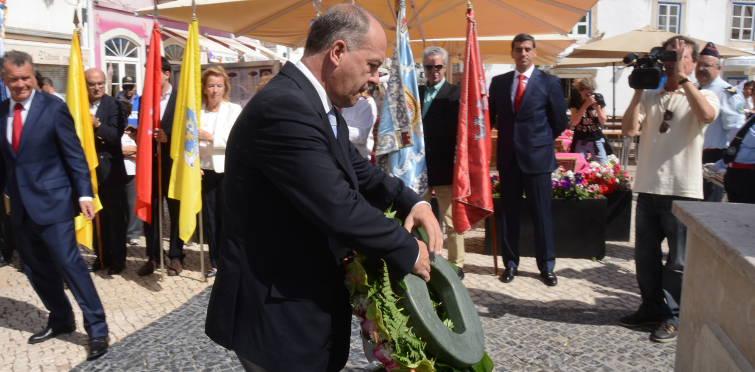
(185, 180)
(77, 100)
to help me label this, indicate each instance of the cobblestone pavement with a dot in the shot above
(156, 325)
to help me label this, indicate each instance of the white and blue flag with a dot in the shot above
(400, 146)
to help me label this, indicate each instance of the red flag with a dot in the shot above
(149, 119)
(472, 193)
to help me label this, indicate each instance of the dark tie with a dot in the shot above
(18, 126)
(519, 93)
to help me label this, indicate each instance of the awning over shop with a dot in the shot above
(216, 51)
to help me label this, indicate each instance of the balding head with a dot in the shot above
(345, 47)
(95, 84)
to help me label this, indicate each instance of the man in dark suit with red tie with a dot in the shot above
(531, 112)
(48, 183)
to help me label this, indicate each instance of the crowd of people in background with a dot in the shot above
(682, 125)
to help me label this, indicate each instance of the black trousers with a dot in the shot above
(151, 232)
(711, 192)
(112, 226)
(212, 211)
(7, 243)
(537, 187)
(740, 185)
(49, 253)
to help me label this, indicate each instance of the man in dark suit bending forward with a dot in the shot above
(297, 195)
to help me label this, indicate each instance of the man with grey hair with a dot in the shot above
(279, 300)
(440, 120)
(48, 182)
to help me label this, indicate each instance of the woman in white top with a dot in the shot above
(216, 120)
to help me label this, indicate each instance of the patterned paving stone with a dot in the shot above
(158, 325)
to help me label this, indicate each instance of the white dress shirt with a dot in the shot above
(94, 106)
(328, 106)
(164, 101)
(24, 113)
(326, 103)
(129, 162)
(361, 119)
(527, 75)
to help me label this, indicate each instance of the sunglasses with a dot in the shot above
(436, 67)
(667, 116)
(128, 87)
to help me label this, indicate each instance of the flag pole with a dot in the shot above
(160, 191)
(201, 248)
(494, 242)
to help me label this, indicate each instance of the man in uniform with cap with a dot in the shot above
(730, 118)
(739, 164)
(128, 145)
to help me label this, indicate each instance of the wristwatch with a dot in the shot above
(683, 81)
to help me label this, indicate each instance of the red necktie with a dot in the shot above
(18, 126)
(519, 93)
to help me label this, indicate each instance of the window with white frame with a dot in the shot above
(742, 22)
(582, 28)
(669, 17)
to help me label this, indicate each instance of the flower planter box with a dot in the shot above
(619, 215)
(579, 228)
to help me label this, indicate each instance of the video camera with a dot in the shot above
(648, 69)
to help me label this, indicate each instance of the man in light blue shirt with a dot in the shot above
(739, 179)
(730, 119)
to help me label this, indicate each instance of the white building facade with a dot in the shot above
(723, 22)
(44, 28)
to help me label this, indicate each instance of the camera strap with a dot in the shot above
(733, 149)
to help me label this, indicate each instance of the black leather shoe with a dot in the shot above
(508, 275)
(549, 278)
(97, 347)
(49, 333)
(95, 266)
(460, 273)
(115, 269)
(210, 273)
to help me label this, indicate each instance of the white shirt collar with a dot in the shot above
(95, 103)
(527, 74)
(326, 103)
(166, 96)
(26, 103)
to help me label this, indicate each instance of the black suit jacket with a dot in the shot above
(529, 134)
(111, 170)
(50, 172)
(296, 205)
(440, 124)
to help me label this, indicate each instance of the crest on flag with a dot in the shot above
(191, 147)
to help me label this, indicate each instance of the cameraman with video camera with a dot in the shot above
(588, 115)
(673, 121)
